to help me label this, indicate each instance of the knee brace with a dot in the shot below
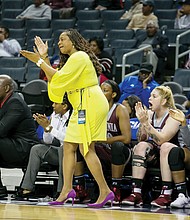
(120, 153)
(176, 159)
(139, 161)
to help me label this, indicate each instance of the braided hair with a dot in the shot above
(69, 107)
(81, 45)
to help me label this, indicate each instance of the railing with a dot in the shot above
(132, 53)
(177, 54)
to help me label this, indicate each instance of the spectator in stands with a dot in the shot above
(130, 103)
(141, 85)
(8, 47)
(139, 21)
(17, 128)
(57, 4)
(108, 4)
(159, 43)
(183, 15)
(105, 59)
(178, 158)
(51, 150)
(136, 8)
(156, 128)
(38, 10)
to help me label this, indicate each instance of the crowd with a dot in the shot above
(91, 124)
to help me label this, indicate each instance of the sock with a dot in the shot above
(137, 185)
(166, 188)
(116, 182)
(79, 180)
(182, 188)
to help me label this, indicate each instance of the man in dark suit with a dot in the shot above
(17, 128)
(159, 43)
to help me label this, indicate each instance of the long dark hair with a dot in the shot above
(115, 88)
(132, 100)
(81, 45)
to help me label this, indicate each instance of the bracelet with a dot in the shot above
(40, 61)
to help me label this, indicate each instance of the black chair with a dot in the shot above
(32, 92)
(11, 13)
(89, 24)
(16, 73)
(166, 13)
(33, 72)
(181, 107)
(37, 23)
(63, 23)
(182, 76)
(87, 34)
(115, 24)
(45, 33)
(174, 86)
(163, 4)
(13, 23)
(87, 14)
(17, 33)
(83, 4)
(12, 4)
(180, 98)
(108, 15)
(120, 34)
(168, 22)
(122, 43)
(12, 62)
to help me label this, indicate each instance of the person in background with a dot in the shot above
(51, 149)
(159, 43)
(17, 128)
(108, 4)
(136, 8)
(183, 15)
(57, 4)
(141, 85)
(130, 103)
(156, 127)
(8, 47)
(139, 21)
(105, 59)
(78, 77)
(178, 157)
(38, 10)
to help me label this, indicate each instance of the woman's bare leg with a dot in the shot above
(95, 168)
(69, 161)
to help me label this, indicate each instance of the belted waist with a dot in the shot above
(78, 90)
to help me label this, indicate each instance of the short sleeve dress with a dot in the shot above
(78, 78)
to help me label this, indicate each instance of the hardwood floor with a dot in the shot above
(18, 211)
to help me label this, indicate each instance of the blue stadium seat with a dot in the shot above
(87, 34)
(120, 34)
(18, 74)
(108, 15)
(87, 14)
(63, 23)
(89, 24)
(13, 23)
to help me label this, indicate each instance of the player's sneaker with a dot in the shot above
(134, 199)
(180, 202)
(162, 201)
(117, 193)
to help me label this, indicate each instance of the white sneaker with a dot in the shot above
(180, 202)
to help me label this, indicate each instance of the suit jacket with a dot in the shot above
(17, 125)
(160, 44)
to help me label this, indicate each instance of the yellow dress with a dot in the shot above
(78, 78)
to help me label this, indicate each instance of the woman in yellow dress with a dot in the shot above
(77, 76)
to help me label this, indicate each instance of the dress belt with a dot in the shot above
(78, 90)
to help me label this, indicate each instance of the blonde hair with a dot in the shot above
(166, 93)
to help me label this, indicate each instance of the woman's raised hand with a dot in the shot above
(32, 56)
(41, 47)
(141, 113)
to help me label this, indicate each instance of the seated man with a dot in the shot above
(159, 43)
(141, 85)
(139, 21)
(8, 47)
(38, 10)
(54, 134)
(17, 128)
